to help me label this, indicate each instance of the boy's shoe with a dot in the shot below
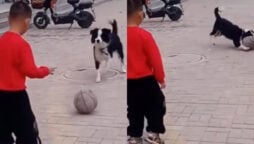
(154, 138)
(135, 140)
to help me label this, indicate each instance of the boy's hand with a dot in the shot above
(52, 70)
(163, 85)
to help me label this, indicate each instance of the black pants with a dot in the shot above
(16, 117)
(47, 5)
(145, 100)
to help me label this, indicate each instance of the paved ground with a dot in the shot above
(210, 87)
(52, 98)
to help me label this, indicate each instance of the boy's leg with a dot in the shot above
(26, 130)
(135, 109)
(155, 107)
(5, 120)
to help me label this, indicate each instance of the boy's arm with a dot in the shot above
(154, 58)
(27, 64)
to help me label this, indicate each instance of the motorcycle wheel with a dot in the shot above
(174, 13)
(41, 20)
(85, 19)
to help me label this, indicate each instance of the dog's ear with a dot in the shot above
(106, 30)
(93, 31)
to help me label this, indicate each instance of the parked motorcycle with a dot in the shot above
(83, 18)
(172, 8)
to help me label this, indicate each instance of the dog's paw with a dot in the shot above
(98, 80)
(124, 69)
(244, 48)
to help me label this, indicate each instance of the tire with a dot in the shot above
(85, 19)
(41, 20)
(174, 13)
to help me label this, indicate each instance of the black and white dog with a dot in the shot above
(231, 31)
(106, 42)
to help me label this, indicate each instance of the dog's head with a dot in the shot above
(100, 37)
(247, 32)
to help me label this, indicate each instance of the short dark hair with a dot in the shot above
(134, 5)
(20, 9)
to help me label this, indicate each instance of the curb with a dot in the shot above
(4, 20)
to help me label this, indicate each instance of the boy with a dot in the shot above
(145, 70)
(49, 4)
(17, 63)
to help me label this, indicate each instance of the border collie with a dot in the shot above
(226, 28)
(106, 42)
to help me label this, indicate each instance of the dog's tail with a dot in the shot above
(114, 26)
(216, 12)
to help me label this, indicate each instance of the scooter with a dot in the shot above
(83, 18)
(172, 8)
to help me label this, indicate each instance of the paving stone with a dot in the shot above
(215, 137)
(240, 141)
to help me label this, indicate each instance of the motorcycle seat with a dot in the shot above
(85, 5)
(72, 1)
(174, 2)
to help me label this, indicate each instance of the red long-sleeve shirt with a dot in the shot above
(17, 63)
(144, 57)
